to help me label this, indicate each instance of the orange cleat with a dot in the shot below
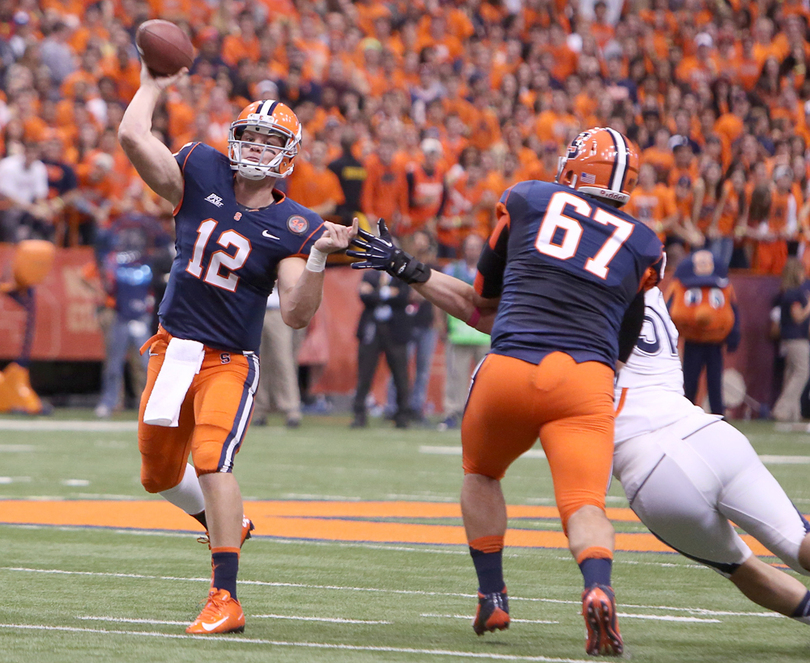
(492, 613)
(221, 614)
(601, 625)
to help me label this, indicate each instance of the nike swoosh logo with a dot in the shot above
(153, 354)
(265, 233)
(211, 627)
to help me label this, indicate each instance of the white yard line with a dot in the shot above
(331, 620)
(16, 448)
(121, 620)
(663, 618)
(455, 450)
(336, 620)
(410, 592)
(669, 618)
(282, 643)
(59, 425)
(469, 618)
(785, 460)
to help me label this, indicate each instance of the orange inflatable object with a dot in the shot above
(16, 394)
(33, 260)
(700, 301)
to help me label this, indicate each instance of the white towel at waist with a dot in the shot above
(181, 363)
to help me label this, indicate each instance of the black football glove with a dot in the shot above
(382, 254)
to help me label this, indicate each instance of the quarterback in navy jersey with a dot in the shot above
(224, 306)
(235, 236)
(560, 286)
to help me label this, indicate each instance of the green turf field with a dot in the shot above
(96, 594)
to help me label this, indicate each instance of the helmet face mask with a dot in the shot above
(266, 118)
(602, 163)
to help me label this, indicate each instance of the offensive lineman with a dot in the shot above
(560, 274)
(665, 446)
(235, 236)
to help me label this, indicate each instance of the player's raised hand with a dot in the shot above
(379, 252)
(336, 237)
(161, 82)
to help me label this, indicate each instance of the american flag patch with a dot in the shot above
(588, 178)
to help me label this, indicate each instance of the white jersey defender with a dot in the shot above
(687, 473)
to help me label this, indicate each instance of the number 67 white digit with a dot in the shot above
(555, 218)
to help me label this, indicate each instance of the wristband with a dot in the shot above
(474, 318)
(317, 260)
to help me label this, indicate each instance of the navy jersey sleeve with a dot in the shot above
(307, 225)
(182, 155)
(186, 162)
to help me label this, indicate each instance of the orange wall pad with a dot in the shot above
(330, 521)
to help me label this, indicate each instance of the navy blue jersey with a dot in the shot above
(227, 254)
(566, 267)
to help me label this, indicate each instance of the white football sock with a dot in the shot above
(187, 494)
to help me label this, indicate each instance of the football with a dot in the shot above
(164, 47)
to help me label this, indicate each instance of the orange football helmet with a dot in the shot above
(600, 162)
(267, 117)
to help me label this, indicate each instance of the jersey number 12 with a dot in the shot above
(222, 265)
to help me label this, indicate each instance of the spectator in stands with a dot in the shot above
(705, 208)
(794, 345)
(385, 191)
(351, 173)
(422, 344)
(685, 162)
(384, 327)
(56, 54)
(62, 186)
(780, 226)
(465, 346)
(315, 186)
(652, 202)
(426, 188)
(23, 193)
(725, 86)
(730, 217)
(278, 378)
(127, 279)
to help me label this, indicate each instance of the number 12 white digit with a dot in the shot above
(220, 260)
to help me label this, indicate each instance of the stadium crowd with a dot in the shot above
(423, 112)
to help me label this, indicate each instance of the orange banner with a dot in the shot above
(66, 326)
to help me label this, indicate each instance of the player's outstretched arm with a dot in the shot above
(151, 158)
(450, 294)
(459, 299)
(300, 284)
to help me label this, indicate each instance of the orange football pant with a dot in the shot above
(213, 418)
(569, 406)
